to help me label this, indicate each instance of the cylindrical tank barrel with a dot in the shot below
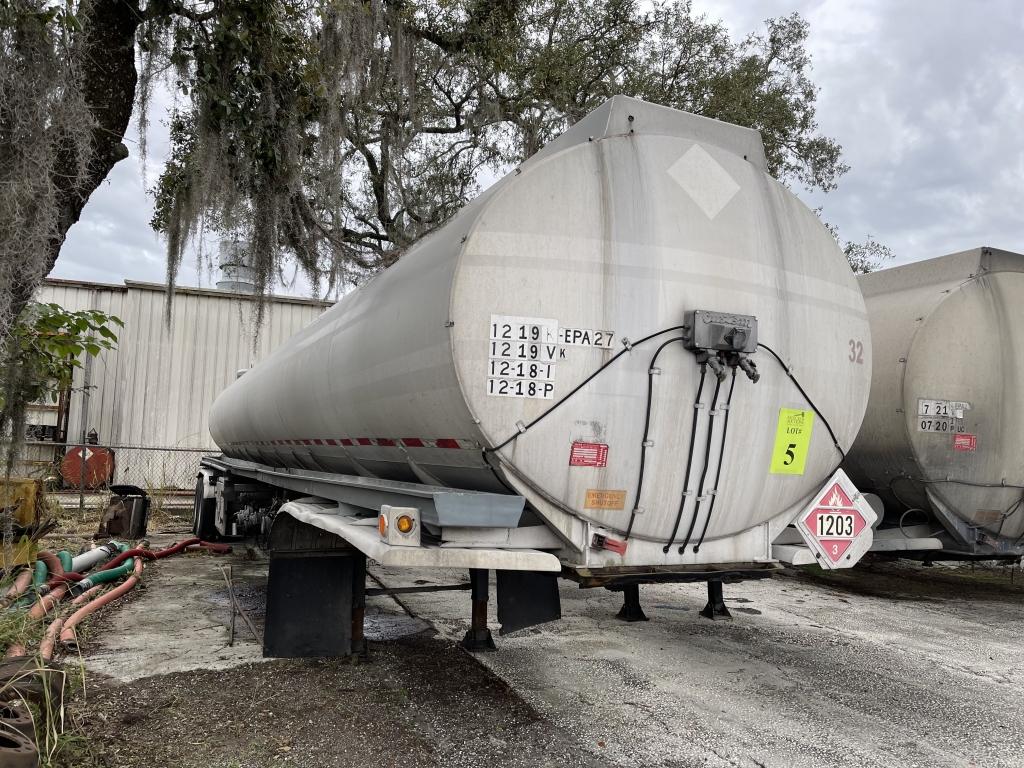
(944, 431)
(598, 245)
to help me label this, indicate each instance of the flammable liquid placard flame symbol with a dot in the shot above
(836, 499)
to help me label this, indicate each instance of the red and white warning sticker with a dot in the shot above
(588, 454)
(965, 442)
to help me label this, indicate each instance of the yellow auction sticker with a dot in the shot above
(792, 440)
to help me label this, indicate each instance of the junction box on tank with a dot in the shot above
(600, 368)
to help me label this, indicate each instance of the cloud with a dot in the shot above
(926, 98)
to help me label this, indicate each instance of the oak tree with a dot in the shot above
(332, 134)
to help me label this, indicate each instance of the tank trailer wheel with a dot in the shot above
(203, 514)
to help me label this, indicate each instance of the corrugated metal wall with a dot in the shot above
(156, 389)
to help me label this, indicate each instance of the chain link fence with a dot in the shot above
(81, 475)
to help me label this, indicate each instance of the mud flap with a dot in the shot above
(310, 592)
(309, 606)
(527, 598)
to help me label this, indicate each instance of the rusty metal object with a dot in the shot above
(87, 466)
(23, 499)
(17, 750)
(127, 513)
(14, 715)
(236, 608)
(359, 648)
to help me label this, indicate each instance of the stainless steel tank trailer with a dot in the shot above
(943, 440)
(598, 369)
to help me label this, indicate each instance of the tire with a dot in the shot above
(204, 514)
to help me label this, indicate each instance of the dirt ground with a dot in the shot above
(165, 689)
(886, 665)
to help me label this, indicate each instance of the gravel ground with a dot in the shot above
(887, 665)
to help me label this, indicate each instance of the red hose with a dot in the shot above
(45, 603)
(67, 631)
(52, 563)
(218, 549)
(50, 639)
(64, 578)
(89, 594)
(67, 635)
(21, 583)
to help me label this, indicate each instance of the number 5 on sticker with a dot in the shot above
(792, 441)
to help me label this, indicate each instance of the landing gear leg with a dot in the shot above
(631, 610)
(715, 609)
(359, 650)
(478, 638)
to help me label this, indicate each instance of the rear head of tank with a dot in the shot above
(636, 216)
(944, 430)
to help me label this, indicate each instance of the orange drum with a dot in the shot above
(89, 462)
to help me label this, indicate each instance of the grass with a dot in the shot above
(43, 688)
(60, 738)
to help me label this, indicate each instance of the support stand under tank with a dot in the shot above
(359, 648)
(715, 609)
(631, 609)
(478, 638)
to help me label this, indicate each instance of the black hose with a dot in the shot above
(647, 428)
(895, 495)
(718, 470)
(1010, 511)
(704, 472)
(689, 456)
(966, 482)
(835, 440)
(582, 384)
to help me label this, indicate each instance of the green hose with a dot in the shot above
(65, 560)
(112, 574)
(39, 575)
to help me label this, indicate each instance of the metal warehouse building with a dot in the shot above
(150, 398)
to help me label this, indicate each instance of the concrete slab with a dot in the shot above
(177, 619)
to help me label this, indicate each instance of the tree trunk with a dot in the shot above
(108, 78)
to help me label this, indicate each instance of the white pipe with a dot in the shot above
(87, 560)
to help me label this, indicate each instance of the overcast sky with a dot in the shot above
(925, 96)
